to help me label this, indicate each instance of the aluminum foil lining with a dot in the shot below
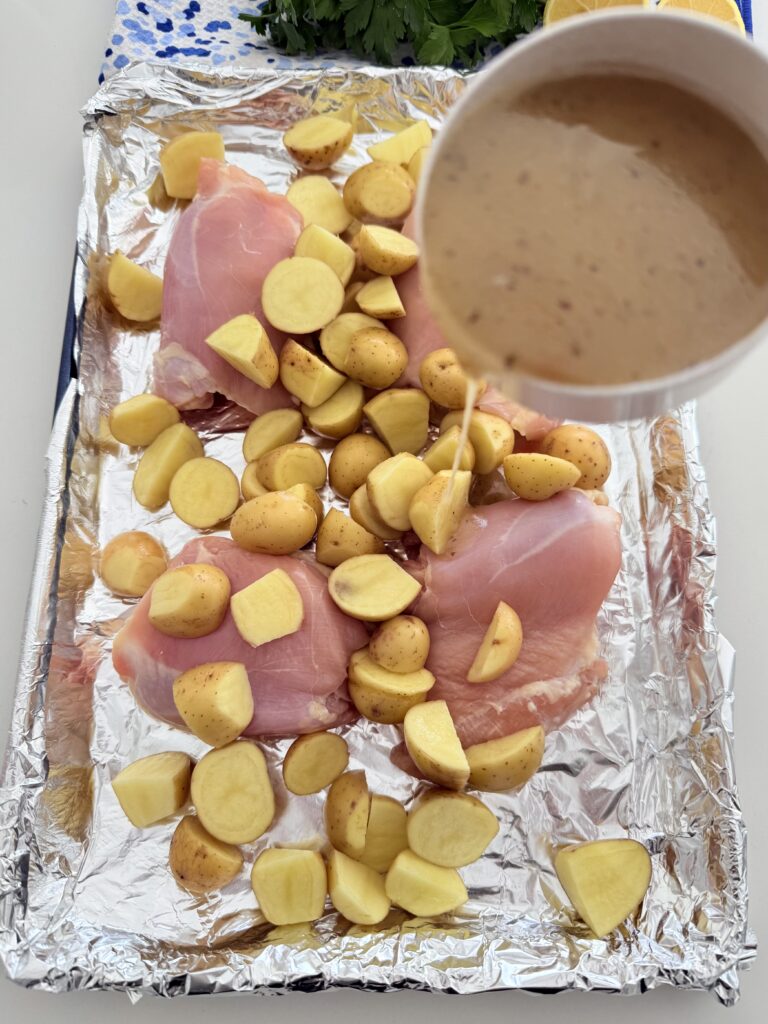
(87, 901)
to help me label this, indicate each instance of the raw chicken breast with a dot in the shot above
(298, 682)
(554, 563)
(225, 243)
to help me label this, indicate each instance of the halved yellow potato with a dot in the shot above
(290, 885)
(339, 415)
(491, 436)
(306, 376)
(417, 162)
(363, 512)
(160, 463)
(131, 562)
(536, 477)
(386, 251)
(319, 244)
(250, 485)
(135, 292)
(401, 644)
(401, 147)
(340, 538)
(384, 696)
(232, 793)
(139, 420)
(400, 416)
(215, 701)
(189, 600)
(450, 829)
(204, 492)
(442, 452)
(318, 202)
(507, 762)
(307, 493)
(313, 762)
(376, 358)
(500, 647)
(605, 880)
(392, 486)
(318, 141)
(422, 888)
(290, 464)
(153, 787)
(437, 508)
(372, 588)
(386, 835)
(180, 161)
(352, 460)
(199, 862)
(301, 295)
(380, 192)
(584, 448)
(443, 378)
(356, 890)
(336, 338)
(346, 813)
(379, 297)
(271, 430)
(244, 344)
(273, 524)
(432, 742)
(267, 609)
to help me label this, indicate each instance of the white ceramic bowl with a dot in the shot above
(698, 54)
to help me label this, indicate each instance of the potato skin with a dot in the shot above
(537, 477)
(384, 696)
(401, 644)
(346, 813)
(352, 460)
(203, 602)
(380, 191)
(317, 142)
(215, 701)
(376, 358)
(340, 538)
(444, 379)
(199, 862)
(505, 763)
(273, 524)
(584, 448)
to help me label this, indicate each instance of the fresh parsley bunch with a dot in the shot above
(438, 31)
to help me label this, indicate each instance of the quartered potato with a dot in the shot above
(340, 538)
(215, 701)
(313, 762)
(301, 295)
(307, 493)
(317, 142)
(584, 448)
(153, 787)
(339, 415)
(386, 835)
(189, 601)
(417, 162)
(605, 880)
(273, 524)
(318, 202)
(320, 244)
(372, 588)
(422, 888)
(350, 297)
(244, 344)
(507, 762)
(135, 292)
(139, 420)
(250, 485)
(443, 378)
(336, 338)
(346, 813)
(376, 358)
(363, 512)
(392, 486)
(199, 862)
(131, 562)
(400, 148)
(180, 161)
(291, 464)
(232, 793)
(379, 192)
(267, 609)
(386, 251)
(290, 885)
(401, 645)
(400, 416)
(204, 492)
(352, 460)
(437, 508)
(432, 742)
(500, 647)
(384, 696)
(536, 477)
(356, 890)
(450, 829)
(379, 297)
(441, 454)
(306, 376)
(271, 430)
(160, 463)
(491, 436)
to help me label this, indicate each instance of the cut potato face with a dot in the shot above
(422, 888)
(250, 485)
(215, 701)
(180, 161)
(346, 813)
(199, 862)
(437, 508)
(131, 562)
(386, 835)
(301, 295)
(401, 147)
(372, 588)
(536, 477)
(443, 378)
(271, 430)
(320, 244)
(340, 538)
(491, 436)
(290, 885)
(450, 829)
(135, 292)
(417, 162)
(442, 453)
(386, 251)
(507, 762)
(379, 297)
(605, 880)
(307, 493)
(376, 358)
(189, 601)
(584, 448)
(313, 762)
(139, 420)
(384, 696)
(401, 645)
(340, 415)
(318, 202)
(204, 492)
(500, 647)
(292, 464)
(244, 344)
(432, 742)
(392, 486)
(267, 609)
(379, 192)
(356, 890)
(363, 512)
(160, 463)
(400, 417)
(352, 460)
(350, 297)
(273, 524)
(317, 142)
(153, 787)
(232, 793)
(336, 338)
(306, 376)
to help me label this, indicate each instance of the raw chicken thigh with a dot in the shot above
(298, 682)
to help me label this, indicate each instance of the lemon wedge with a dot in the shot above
(725, 11)
(556, 10)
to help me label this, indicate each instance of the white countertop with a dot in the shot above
(49, 59)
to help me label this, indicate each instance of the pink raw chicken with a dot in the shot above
(554, 563)
(298, 682)
(225, 243)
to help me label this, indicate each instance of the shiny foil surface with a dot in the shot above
(87, 901)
